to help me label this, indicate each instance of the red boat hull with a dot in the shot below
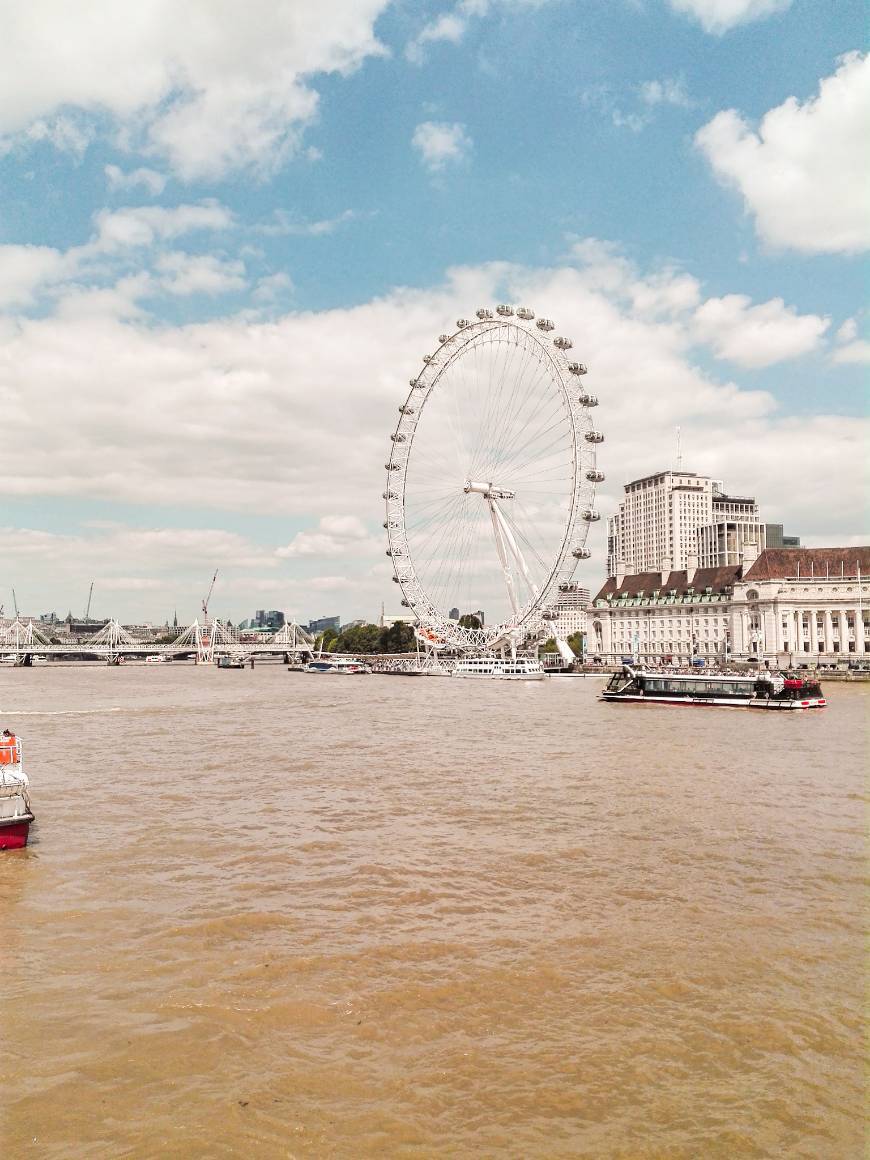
(14, 836)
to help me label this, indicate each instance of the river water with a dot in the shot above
(269, 914)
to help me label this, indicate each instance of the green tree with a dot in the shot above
(549, 646)
(362, 638)
(575, 642)
(469, 620)
(326, 640)
(398, 638)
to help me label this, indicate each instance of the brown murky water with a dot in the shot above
(275, 915)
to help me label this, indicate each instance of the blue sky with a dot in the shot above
(226, 239)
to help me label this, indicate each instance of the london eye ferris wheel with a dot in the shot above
(491, 480)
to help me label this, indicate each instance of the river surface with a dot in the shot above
(269, 914)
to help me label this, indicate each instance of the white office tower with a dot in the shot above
(570, 609)
(678, 517)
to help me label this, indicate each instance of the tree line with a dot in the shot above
(368, 638)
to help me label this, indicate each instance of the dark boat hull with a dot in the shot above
(13, 835)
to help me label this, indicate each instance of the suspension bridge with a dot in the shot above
(21, 641)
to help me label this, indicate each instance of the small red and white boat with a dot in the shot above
(15, 812)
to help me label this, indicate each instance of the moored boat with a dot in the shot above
(500, 668)
(735, 690)
(349, 666)
(231, 661)
(15, 811)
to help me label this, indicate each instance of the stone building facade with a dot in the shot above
(784, 606)
(802, 604)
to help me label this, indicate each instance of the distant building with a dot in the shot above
(454, 613)
(315, 627)
(773, 537)
(79, 628)
(272, 620)
(386, 620)
(668, 517)
(570, 608)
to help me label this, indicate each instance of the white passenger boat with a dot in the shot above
(737, 690)
(348, 666)
(500, 668)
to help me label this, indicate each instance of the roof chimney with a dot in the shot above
(620, 572)
(665, 569)
(691, 567)
(750, 555)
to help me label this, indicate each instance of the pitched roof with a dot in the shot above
(648, 582)
(783, 563)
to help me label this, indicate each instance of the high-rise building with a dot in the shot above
(677, 517)
(570, 608)
(315, 627)
(774, 538)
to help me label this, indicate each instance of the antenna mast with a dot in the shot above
(90, 597)
(679, 451)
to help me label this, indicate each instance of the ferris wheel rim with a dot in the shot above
(435, 621)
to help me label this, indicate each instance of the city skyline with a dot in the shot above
(220, 266)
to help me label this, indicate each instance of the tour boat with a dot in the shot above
(346, 665)
(500, 668)
(752, 690)
(231, 661)
(15, 812)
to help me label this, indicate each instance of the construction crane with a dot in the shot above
(90, 597)
(15, 602)
(208, 597)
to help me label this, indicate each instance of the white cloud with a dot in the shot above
(285, 223)
(440, 144)
(24, 270)
(149, 179)
(335, 536)
(145, 224)
(803, 174)
(757, 336)
(200, 273)
(719, 16)
(847, 331)
(291, 417)
(273, 287)
(669, 91)
(210, 87)
(853, 352)
(66, 134)
(450, 27)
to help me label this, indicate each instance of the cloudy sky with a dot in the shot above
(229, 232)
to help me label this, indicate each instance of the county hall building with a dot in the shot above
(785, 606)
